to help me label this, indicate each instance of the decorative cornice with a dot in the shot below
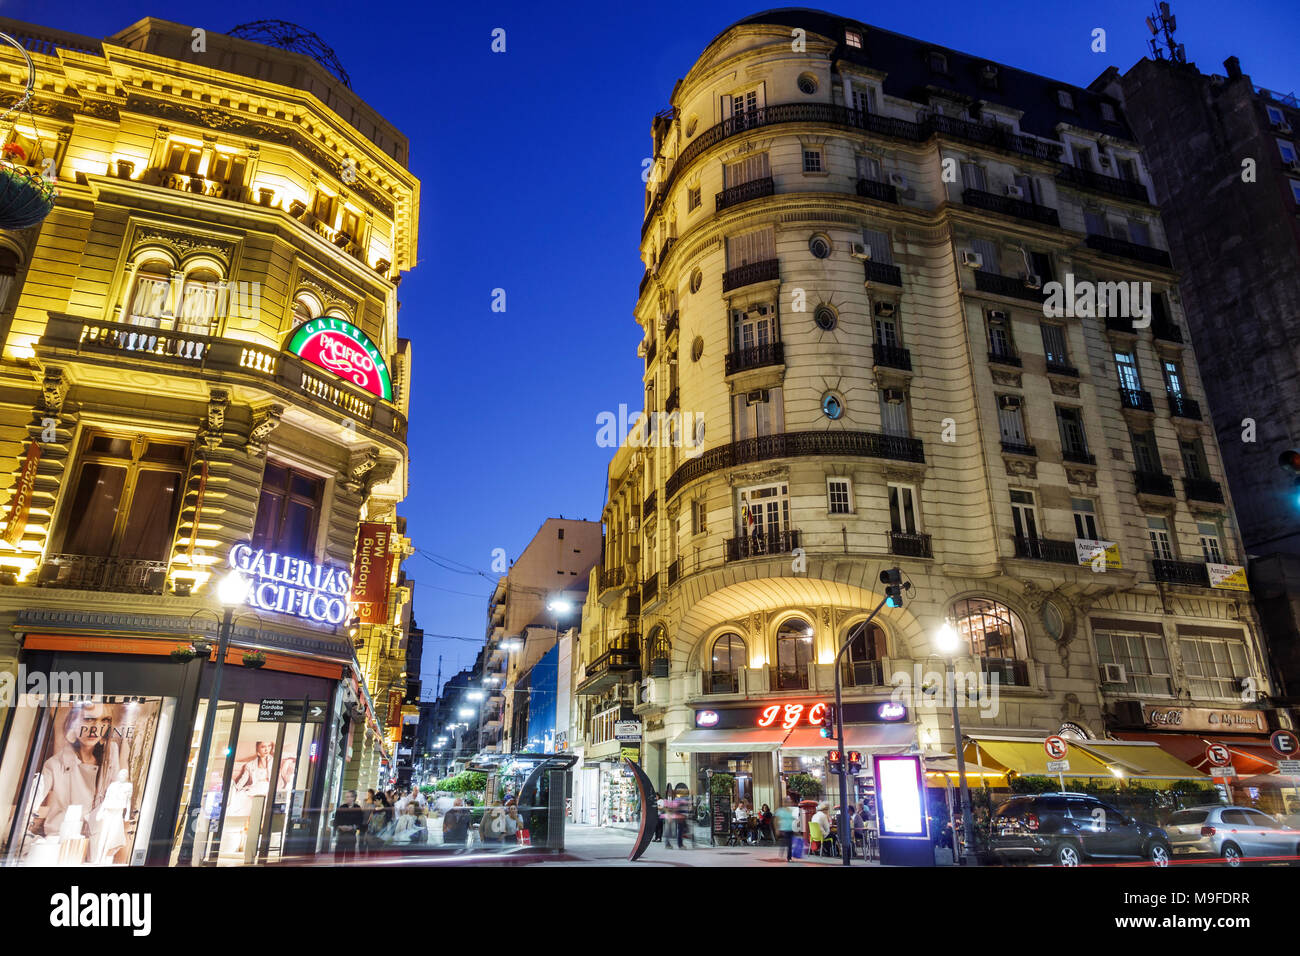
(184, 242)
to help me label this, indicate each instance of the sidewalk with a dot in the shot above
(587, 845)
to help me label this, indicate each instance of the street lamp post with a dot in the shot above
(231, 591)
(948, 642)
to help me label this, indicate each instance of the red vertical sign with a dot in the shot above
(370, 572)
(22, 499)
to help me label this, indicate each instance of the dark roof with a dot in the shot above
(905, 61)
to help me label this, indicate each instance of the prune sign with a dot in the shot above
(343, 349)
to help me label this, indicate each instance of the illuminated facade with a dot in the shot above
(201, 356)
(853, 362)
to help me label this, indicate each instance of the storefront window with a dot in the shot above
(794, 647)
(95, 775)
(728, 658)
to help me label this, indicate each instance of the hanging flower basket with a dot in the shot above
(183, 652)
(254, 659)
(25, 197)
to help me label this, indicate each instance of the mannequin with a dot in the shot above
(113, 814)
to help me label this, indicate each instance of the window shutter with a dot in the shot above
(988, 251)
(881, 250)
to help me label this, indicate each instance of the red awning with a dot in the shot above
(1251, 756)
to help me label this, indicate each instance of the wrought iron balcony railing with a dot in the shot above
(1010, 206)
(1129, 250)
(1136, 398)
(862, 673)
(883, 273)
(1004, 355)
(891, 356)
(1079, 456)
(756, 356)
(1060, 368)
(1180, 406)
(910, 544)
(650, 588)
(735, 195)
(674, 571)
(762, 544)
(1008, 670)
(1154, 483)
(1019, 448)
(1191, 573)
(870, 189)
(648, 507)
(1012, 286)
(1099, 182)
(1045, 549)
(1203, 489)
(92, 573)
(673, 400)
(750, 273)
(670, 325)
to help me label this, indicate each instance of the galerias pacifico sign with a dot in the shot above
(22, 499)
(340, 347)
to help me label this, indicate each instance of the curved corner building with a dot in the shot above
(853, 361)
(201, 372)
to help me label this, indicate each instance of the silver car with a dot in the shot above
(1233, 833)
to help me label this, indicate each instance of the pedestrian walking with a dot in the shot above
(660, 804)
(786, 819)
(819, 827)
(346, 823)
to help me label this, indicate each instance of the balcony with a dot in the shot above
(1004, 355)
(90, 573)
(650, 589)
(664, 252)
(735, 195)
(670, 325)
(609, 581)
(883, 274)
(1019, 448)
(1166, 330)
(197, 185)
(765, 271)
(648, 506)
(1129, 250)
(651, 350)
(1136, 398)
(723, 682)
(756, 356)
(674, 572)
(891, 356)
(1190, 573)
(1180, 406)
(1011, 286)
(1010, 206)
(184, 354)
(1060, 368)
(762, 545)
(882, 192)
(910, 544)
(617, 665)
(1203, 489)
(632, 608)
(996, 136)
(1098, 182)
(1044, 549)
(791, 678)
(1154, 483)
(843, 444)
(862, 674)
(1008, 671)
(1120, 323)
(673, 401)
(1078, 456)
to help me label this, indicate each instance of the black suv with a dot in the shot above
(1067, 828)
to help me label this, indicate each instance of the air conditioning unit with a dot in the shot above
(1113, 674)
(1033, 282)
(1015, 192)
(885, 309)
(898, 180)
(895, 396)
(860, 250)
(1009, 402)
(972, 259)
(996, 315)
(756, 396)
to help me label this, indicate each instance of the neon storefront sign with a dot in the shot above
(288, 585)
(789, 716)
(343, 349)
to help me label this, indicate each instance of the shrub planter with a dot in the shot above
(254, 659)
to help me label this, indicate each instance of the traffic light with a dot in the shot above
(892, 579)
(827, 729)
(836, 760)
(1290, 461)
(855, 762)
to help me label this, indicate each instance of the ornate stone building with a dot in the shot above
(854, 360)
(201, 372)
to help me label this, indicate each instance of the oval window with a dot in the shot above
(832, 406)
(820, 246)
(824, 316)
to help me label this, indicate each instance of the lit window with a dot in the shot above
(1275, 116)
(1287, 149)
(794, 654)
(305, 308)
(1295, 189)
(1144, 658)
(853, 39)
(1085, 518)
(991, 628)
(692, 199)
(1215, 666)
(728, 658)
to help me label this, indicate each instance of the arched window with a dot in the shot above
(863, 661)
(794, 651)
(657, 653)
(197, 314)
(305, 308)
(149, 303)
(728, 658)
(995, 636)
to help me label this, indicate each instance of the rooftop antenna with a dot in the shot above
(1162, 24)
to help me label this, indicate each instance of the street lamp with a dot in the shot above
(474, 695)
(231, 592)
(948, 642)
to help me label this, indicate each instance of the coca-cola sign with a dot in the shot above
(341, 348)
(1225, 720)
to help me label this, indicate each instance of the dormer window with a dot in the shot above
(1065, 99)
(1108, 113)
(938, 63)
(853, 39)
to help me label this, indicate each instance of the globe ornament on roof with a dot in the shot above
(295, 39)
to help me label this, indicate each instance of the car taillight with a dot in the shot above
(1031, 821)
(1207, 831)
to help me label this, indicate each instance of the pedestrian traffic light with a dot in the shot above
(892, 579)
(827, 729)
(836, 760)
(855, 762)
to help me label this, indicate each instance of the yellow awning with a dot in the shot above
(1140, 760)
(1029, 757)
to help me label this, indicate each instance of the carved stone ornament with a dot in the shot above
(1021, 467)
(1003, 377)
(265, 422)
(98, 109)
(1063, 386)
(1081, 476)
(184, 243)
(1071, 709)
(214, 425)
(54, 388)
(360, 464)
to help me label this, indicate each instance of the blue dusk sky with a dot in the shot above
(530, 164)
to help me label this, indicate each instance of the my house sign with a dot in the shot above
(343, 349)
